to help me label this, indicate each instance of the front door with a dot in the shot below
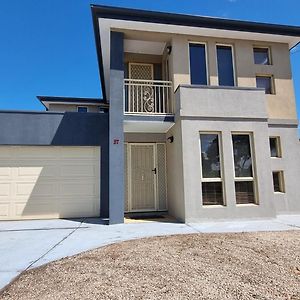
(142, 177)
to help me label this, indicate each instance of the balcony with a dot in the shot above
(148, 97)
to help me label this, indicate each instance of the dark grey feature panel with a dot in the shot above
(60, 129)
(116, 132)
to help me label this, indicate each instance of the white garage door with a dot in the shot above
(38, 182)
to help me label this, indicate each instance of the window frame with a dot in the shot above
(278, 147)
(82, 106)
(281, 182)
(206, 60)
(252, 179)
(269, 55)
(272, 80)
(214, 179)
(233, 62)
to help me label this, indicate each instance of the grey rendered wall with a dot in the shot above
(288, 202)
(224, 111)
(175, 182)
(60, 129)
(194, 211)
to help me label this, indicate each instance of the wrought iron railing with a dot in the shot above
(148, 96)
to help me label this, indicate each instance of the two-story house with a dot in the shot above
(202, 125)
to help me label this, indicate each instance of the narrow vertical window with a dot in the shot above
(243, 168)
(275, 147)
(198, 68)
(211, 170)
(225, 65)
(278, 182)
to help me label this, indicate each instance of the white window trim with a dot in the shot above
(247, 179)
(269, 54)
(206, 60)
(233, 61)
(281, 182)
(81, 106)
(216, 179)
(278, 147)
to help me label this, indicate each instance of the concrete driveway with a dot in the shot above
(29, 244)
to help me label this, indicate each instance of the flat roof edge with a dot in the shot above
(111, 12)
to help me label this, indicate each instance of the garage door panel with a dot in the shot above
(4, 210)
(50, 182)
(35, 189)
(5, 190)
(85, 153)
(70, 189)
(5, 171)
(40, 210)
(37, 169)
(79, 170)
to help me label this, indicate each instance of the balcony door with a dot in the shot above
(141, 71)
(141, 89)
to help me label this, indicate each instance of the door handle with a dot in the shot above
(154, 170)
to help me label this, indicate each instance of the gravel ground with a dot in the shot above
(198, 266)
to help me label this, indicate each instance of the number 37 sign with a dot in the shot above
(116, 141)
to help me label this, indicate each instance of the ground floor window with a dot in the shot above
(211, 169)
(243, 168)
(278, 182)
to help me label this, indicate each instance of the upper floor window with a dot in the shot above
(225, 65)
(275, 147)
(261, 56)
(83, 109)
(198, 64)
(265, 82)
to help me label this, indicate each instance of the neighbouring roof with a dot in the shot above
(46, 100)
(126, 14)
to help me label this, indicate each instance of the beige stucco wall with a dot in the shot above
(281, 105)
(72, 107)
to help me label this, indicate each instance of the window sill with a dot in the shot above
(213, 206)
(248, 205)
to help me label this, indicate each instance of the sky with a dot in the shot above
(48, 48)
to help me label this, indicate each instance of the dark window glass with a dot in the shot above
(244, 192)
(242, 155)
(82, 109)
(261, 56)
(225, 66)
(274, 147)
(210, 156)
(278, 182)
(198, 64)
(264, 82)
(212, 193)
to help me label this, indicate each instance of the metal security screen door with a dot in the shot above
(145, 177)
(140, 71)
(140, 88)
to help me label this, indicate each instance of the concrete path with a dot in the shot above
(29, 244)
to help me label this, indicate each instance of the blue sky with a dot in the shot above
(47, 46)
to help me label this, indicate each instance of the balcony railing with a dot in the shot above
(148, 96)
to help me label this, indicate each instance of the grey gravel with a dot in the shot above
(242, 266)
